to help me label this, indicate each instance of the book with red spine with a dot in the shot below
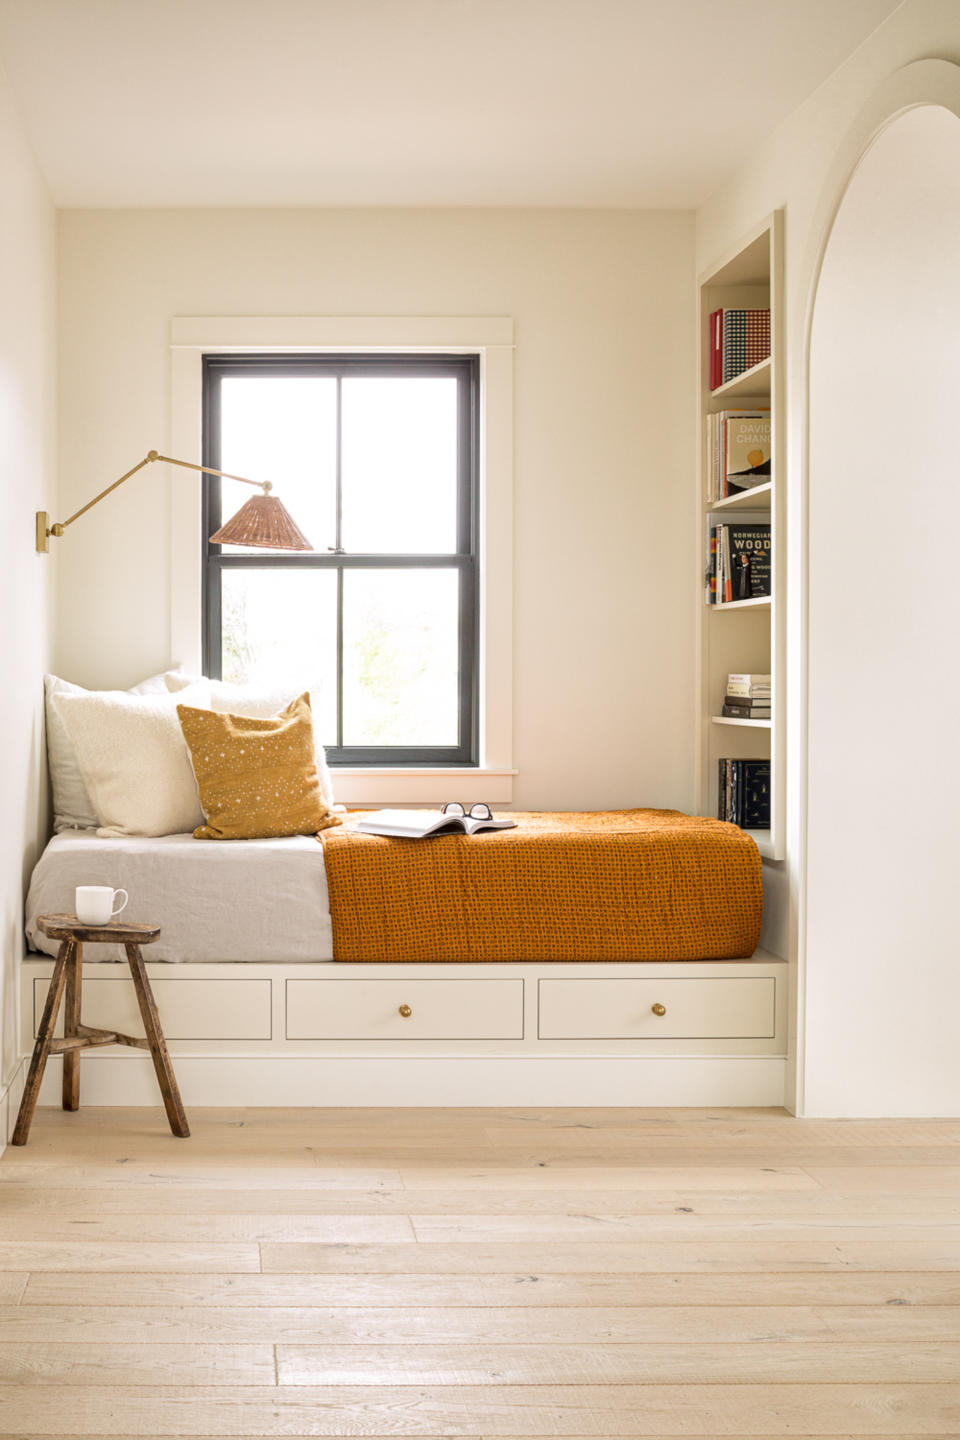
(716, 349)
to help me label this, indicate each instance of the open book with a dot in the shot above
(417, 824)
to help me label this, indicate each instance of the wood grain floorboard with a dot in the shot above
(473, 1411)
(526, 1289)
(786, 1135)
(125, 1256)
(621, 1363)
(689, 1157)
(464, 1325)
(854, 1181)
(538, 1178)
(170, 1173)
(208, 1229)
(667, 1229)
(145, 1199)
(120, 1362)
(699, 1256)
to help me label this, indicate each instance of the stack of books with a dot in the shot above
(747, 697)
(738, 451)
(738, 561)
(739, 339)
(744, 793)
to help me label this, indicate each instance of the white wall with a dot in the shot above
(883, 983)
(27, 292)
(794, 168)
(603, 305)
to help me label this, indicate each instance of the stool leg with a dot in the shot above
(158, 1046)
(71, 1020)
(41, 1049)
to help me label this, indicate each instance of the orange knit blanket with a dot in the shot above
(606, 885)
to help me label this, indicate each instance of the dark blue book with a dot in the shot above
(753, 800)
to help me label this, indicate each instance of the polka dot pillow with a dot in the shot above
(257, 778)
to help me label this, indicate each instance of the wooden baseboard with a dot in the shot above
(443, 1080)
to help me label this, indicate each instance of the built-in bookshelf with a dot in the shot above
(744, 635)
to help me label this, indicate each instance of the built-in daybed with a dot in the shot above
(585, 959)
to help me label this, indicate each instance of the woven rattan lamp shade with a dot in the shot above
(263, 522)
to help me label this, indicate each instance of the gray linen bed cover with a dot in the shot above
(251, 900)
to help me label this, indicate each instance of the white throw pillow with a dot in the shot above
(259, 702)
(134, 759)
(72, 806)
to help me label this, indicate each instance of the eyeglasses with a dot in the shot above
(475, 812)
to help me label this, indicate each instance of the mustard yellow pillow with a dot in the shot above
(256, 778)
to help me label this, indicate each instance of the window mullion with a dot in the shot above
(338, 528)
(339, 656)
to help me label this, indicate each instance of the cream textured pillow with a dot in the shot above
(72, 806)
(257, 777)
(133, 759)
(261, 702)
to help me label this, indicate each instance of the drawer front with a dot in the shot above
(694, 1009)
(371, 1009)
(189, 1009)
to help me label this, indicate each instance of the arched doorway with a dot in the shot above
(883, 796)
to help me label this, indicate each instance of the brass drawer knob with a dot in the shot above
(405, 1011)
(659, 1009)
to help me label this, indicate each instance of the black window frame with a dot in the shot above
(466, 560)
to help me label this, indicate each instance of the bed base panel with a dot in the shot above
(670, 1033)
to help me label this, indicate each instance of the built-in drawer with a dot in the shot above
(189, 1009)
(405, 1009)
(672, 1009)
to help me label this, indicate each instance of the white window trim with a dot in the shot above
(192, 337)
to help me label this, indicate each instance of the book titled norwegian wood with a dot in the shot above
(738, 561)
(749, 549)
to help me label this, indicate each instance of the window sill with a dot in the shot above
(416, 785)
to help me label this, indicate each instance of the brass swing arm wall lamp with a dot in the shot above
(262, 522)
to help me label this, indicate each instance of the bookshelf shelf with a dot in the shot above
(757, 499)
(755, 381)
(749, 277)
(764, 843)
(759, 602)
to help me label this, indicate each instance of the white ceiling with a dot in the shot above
(412, 102)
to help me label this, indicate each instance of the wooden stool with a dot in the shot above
(76, 1037)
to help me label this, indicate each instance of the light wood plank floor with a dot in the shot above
(507, 1273)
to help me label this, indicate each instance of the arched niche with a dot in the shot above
(882, 952)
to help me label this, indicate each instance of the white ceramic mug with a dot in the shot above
(95, 904)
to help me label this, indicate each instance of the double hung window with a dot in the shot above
(375, 457)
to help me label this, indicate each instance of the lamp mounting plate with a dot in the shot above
(43, 532)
